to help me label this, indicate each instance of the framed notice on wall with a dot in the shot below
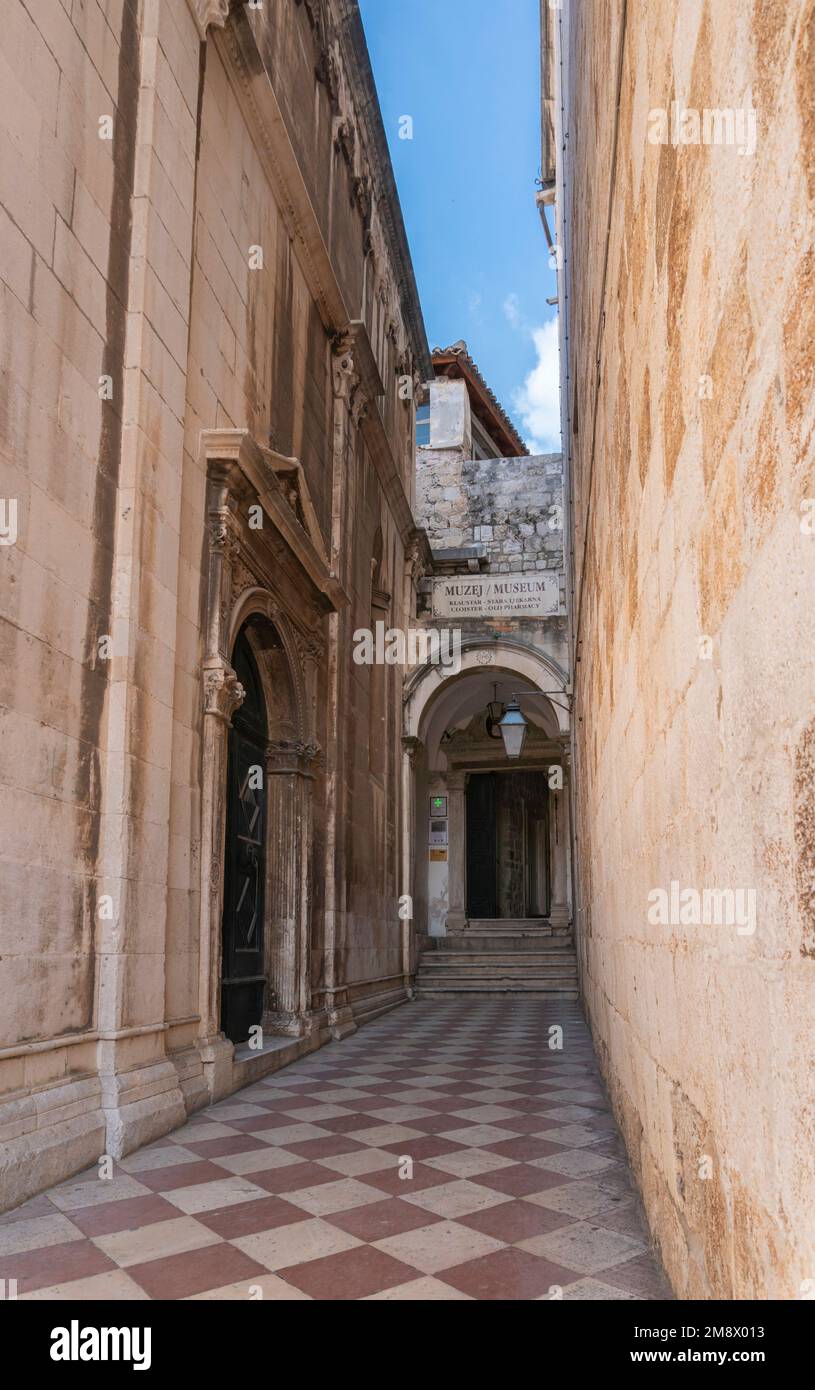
(438, 832)
(534, 595)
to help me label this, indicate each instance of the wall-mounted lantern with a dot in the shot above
(513, 730)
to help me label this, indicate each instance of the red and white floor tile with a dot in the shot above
(295, 1188)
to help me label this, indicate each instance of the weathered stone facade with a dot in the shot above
(487, 518)
(209, 317)
(689, 427)
(512, 506)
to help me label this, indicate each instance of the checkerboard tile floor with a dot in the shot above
(442, 1152)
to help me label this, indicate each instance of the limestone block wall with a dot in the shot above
(261, 355)
(137, 178)
(98, 129)
(693, 462)
(513, 506)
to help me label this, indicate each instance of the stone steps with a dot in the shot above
(541, 953)
(497, 926)
(549, 971)
(483, 964)
(508, 935)
(530, 989)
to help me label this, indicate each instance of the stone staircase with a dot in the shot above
(495, 956)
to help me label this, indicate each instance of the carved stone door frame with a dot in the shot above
(265, 560)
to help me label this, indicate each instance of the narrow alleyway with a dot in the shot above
(291, 1188)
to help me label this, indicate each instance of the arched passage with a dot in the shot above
(490, 836)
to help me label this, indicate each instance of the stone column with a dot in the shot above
(407, 884)
(223, 695)
(560, 908)
(457, 851)
(349, 407)
(287, 902)
(140, 464)
(281, 1014)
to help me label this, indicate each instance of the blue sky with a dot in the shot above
(468, 73)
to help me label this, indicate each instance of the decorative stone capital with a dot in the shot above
(361, 192)
(347, 381)
(411, 747)
(359, 406)
(223, 692)
(414, 561)
(218, 524)
(345, 139)
(346, 377)
(206, 12)
(289, 756)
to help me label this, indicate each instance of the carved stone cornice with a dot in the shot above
(326, 68)
(257, 98)
(207, 12)
(356, 59)
(240, 470)
(340, 43)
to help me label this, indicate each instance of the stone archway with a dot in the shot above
(446, 743)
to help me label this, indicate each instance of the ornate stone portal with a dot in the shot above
(268, 575)
(445, 741)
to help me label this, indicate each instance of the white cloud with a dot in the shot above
(537, 402)
(512, 310)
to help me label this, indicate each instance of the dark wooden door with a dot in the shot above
(243, 979)
(482, 858)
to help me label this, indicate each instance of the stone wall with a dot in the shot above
(486, 517)
(692, 462)
(514, 507)
(200, 234)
